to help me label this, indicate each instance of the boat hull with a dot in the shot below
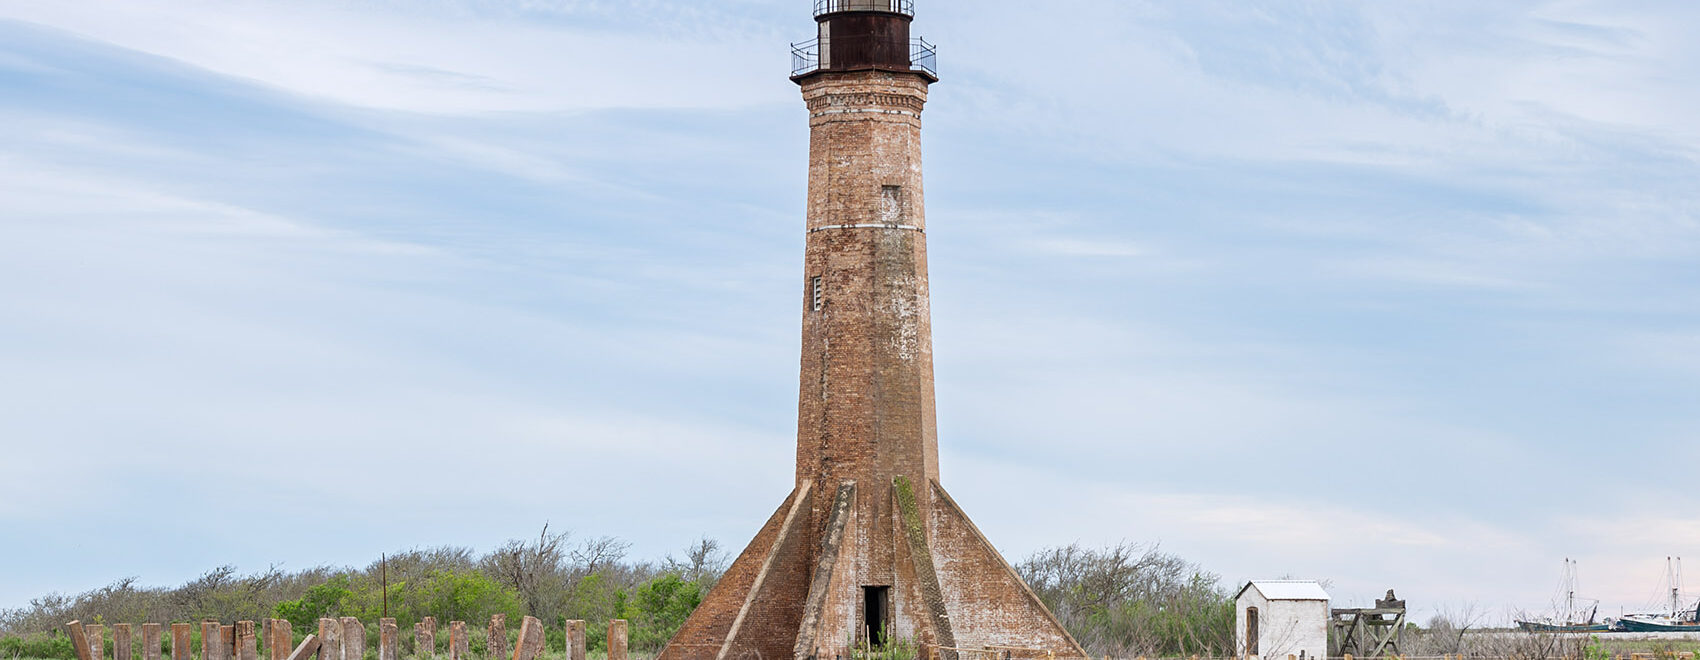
(1533, 626)
(1633, 625)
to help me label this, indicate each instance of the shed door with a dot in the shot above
(1251, 631)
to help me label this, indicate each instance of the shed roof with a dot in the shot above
(1287, 589)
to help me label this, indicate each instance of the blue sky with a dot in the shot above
(1394, 294)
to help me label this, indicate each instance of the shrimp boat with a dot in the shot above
(1680, 618)
(1571, 621)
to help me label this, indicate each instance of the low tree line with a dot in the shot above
(1130, 600)
(553, 577)
(1124, 600)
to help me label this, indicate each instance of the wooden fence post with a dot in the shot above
(353, 639)
(575, 640)
(330, 639)
(180, 641)
(150, 640)
(209, 640)
(496, 637)
(282, 642)
(530, 644)
(121, 641)
(389, 637)
(97, 640)
(460, 648)
(425, 638)
(308, 647)
(617, 640)
(247, 645)
(79, 639)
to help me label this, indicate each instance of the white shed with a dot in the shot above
(1277, 618)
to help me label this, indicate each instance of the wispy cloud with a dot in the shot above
(1216, 275)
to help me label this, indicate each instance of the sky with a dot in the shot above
(1390, 294)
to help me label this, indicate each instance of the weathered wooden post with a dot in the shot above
(330, 639)
(308, 647)
(247, 644)
(617, 640)
(460, 648)
(97, 640)
(121, 641)
(227, 634)
(496, 637)
(353, 639)
(79, 639)
(530, 644)
(388, 638)
(576, 649)
(425, 638)
(210, 643)
(150, 640)
(282, 641)
(180, 641)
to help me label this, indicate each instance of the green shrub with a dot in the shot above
(659, 608)
(38, 646)
(448, 595)
(320, 601)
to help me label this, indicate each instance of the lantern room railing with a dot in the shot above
(806, 56)
(905, 7)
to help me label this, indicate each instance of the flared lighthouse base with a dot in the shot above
(794, 591)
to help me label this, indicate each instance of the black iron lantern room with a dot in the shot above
(856, 35)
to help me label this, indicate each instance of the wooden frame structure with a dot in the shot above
(1370, 632)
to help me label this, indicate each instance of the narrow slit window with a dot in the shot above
(816, 299)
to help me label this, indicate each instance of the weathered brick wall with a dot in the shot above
(865, 402)
(989, 604)
(824, 632)
(865, 414)
(773, 608)
(703, 633)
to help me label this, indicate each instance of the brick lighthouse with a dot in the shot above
(868, 550)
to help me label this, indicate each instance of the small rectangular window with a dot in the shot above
(891, 205)
(815, 298)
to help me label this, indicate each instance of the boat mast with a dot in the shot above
(1676, 590)
(1673, 580)
(1569, 591)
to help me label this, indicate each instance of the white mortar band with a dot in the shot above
(867, 226)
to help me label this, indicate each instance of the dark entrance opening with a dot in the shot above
(876, 605)
(1251, 631)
